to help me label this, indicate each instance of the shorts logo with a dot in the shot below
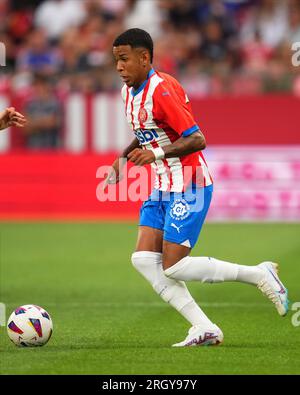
(179, 209)
(176, 227)
(143, 115)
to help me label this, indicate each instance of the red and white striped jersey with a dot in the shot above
(159, 113)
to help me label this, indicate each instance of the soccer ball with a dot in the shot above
(29, 326)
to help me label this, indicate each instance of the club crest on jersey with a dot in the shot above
(143, 115)
(180, 209)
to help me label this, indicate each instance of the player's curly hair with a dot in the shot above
(136, 38)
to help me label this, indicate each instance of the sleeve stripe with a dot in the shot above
(190, 131)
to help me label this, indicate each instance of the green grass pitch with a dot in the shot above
(108, 320)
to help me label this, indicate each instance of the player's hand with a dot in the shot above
(141, 157)
(115, 173)
(10, 117)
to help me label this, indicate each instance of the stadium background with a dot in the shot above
(233, 57)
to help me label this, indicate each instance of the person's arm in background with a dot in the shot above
(10, 117)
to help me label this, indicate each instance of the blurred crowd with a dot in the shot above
(213, 47)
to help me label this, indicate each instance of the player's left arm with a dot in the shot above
(181, 147)
(185, 145)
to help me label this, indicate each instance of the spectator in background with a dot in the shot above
(278, 77)
(74, 61)
(294, 22)
(44, 115)
(24, 4)
(109, 10)
(196, 83)
(146, 13)
(38, 56)
(270, 19)
(214, 46)
(164, 59)
(19, 22)
(56, 16)
(256, 54)
(4, 13)
(181, 13)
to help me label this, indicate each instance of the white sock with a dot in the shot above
(195, 315)
(211, 270)
(249, 274)
(149, 264)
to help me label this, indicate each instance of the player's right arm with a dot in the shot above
(115, 173)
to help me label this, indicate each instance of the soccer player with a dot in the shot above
(167, 137)
(10, 117)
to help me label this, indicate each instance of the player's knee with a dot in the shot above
(173, 256)
(136, 260)
(139, 262)
(145, 262)
(169, 267)
(167, 262)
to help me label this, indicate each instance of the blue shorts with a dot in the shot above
(179, 215)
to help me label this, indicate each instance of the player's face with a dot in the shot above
(132, 64)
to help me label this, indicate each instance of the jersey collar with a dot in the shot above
(142, 86)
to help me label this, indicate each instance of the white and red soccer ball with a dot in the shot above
(29, 326)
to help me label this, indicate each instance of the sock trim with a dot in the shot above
(144, 254)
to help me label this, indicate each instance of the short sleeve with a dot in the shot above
(172, 111)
